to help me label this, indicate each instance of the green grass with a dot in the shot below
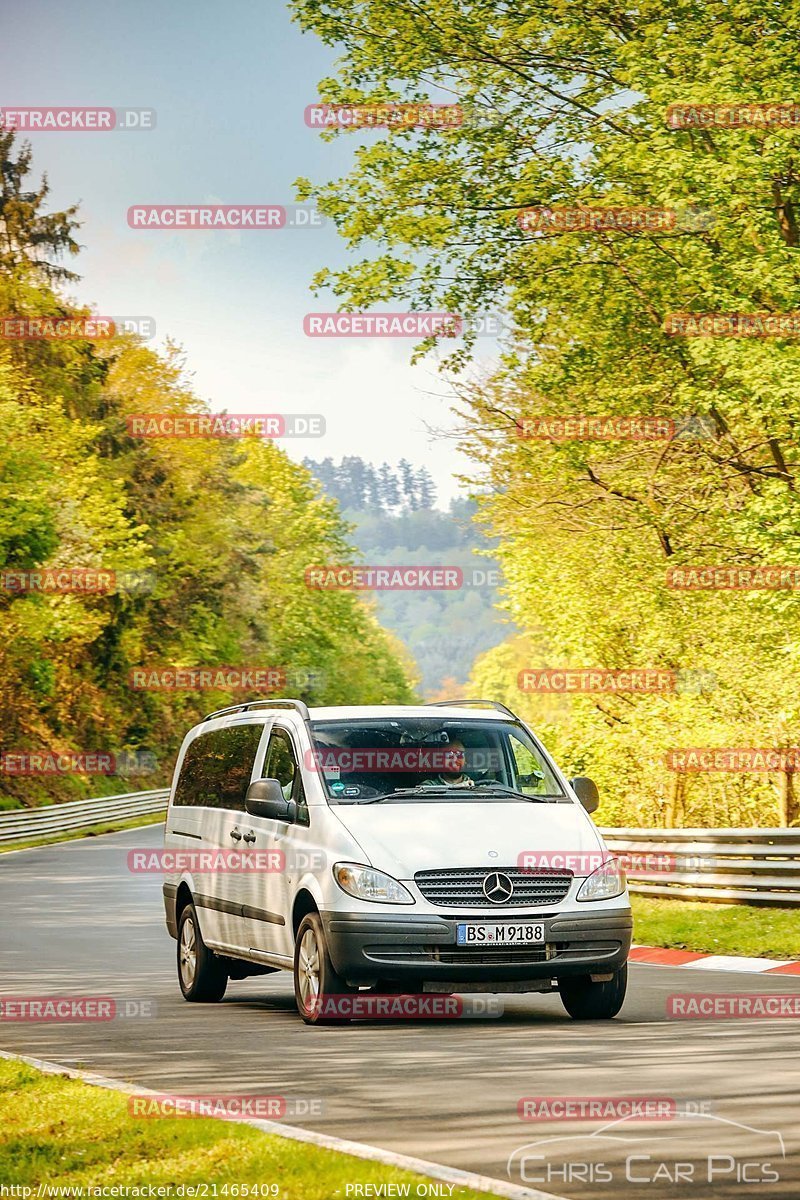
(716, 928)
(71, 835)
(59, 1131)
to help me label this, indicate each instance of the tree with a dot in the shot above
(390, 493)
(407, 485)
(426, 489)
(32, 243)
(205, 543)
(575, 106)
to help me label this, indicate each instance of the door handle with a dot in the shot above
(235, 834)
(249, 836)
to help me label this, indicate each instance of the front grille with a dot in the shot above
(462, 887)
(463, 956)
(499, 956)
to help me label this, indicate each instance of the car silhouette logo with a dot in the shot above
(498, 888)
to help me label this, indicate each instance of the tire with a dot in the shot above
(587, 1001)
(314, 973)
(202, 976)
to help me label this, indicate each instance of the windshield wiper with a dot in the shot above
(458, 792)
(505, 790)
(419, 790)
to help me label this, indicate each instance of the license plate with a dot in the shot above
(507, 933)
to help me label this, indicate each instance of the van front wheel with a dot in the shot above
(588, 1001)
(202, 976)
(318, 990)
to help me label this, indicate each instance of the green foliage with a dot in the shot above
(217, 533)
(716, 928)
(358, 484)
(64, 1133)
(575, 102)
(443, 630)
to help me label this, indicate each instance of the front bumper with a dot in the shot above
(397, 948)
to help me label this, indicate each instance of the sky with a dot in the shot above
(229, 83)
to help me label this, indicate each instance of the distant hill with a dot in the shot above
(395, 522)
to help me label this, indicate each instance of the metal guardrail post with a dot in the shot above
(20, 825)
(730, 866)
(737, 866)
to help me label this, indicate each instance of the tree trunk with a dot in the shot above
(674, 808)
(787, 801)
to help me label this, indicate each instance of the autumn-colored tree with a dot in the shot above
(568, 107)
(208, 540)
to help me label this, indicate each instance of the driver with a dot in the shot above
(452, 772)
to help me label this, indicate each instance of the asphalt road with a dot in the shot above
(75, 922)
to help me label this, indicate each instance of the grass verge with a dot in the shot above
(72, 835)
(60, 1131)
(716, 928)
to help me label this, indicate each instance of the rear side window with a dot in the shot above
(217, 768)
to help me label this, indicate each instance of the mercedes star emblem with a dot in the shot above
(498, 888)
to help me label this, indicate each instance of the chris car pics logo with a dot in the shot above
(690, 1155)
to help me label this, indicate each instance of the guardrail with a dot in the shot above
(735, 866)
(744, 866)
(22, 824)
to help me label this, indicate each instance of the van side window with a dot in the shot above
(217, 768)
(282, 765)
(531, 778)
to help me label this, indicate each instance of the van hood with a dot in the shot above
(402, 838)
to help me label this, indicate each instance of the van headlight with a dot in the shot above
(604, 883)
(365, 883)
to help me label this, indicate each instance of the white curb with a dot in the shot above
(729, 962)
(404, 1162)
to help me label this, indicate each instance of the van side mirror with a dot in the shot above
(586, 791)
(265, 798)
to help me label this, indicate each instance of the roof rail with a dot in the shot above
(459, 703)
(298, 706)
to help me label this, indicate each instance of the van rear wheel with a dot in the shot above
(317, 986)
(202, 976)
(588, 1001)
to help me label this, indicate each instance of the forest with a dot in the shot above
(394, 520)
(639, 224)
(200, 547)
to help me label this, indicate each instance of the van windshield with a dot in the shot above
(432, 759)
